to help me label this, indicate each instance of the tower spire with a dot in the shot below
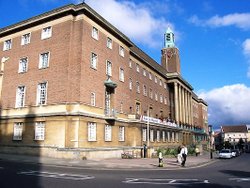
(169, 38)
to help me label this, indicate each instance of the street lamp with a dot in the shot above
(210, 130)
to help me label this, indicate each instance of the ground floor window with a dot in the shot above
(40, 130)
(173, 136)
(144, 135)
(121, 133)
(108, 133)
(158, 137)
(163, 136)
(91, 131)
(18, 131)
(151, 135)
(169, 137)
(177, 137)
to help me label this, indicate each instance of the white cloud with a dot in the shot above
(240, 20)
(228, 105)
(135, 20)
(246, 47)
(246, 51)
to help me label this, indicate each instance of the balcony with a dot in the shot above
(110, 114)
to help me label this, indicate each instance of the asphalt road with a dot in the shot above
(226, 173)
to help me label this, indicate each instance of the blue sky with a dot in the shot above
(213, 38)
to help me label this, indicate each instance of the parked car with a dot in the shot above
(226, 154)
(235, 152)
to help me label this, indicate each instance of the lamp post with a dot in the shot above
(210, 130)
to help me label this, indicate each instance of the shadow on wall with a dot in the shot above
(17, 137)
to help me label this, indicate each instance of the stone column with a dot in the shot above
(183, 105)
(192, 114)
(180, 104)
(176, 106)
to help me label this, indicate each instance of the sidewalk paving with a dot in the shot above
(115, 163)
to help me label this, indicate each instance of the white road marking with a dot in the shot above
(239, 179)
(57, 175)
(164, 181)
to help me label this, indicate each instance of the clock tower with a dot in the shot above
(170, 59)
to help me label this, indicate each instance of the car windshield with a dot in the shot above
(224, 151)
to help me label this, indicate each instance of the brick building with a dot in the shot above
(72, 85)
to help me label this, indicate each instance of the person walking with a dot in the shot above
(184, 153)
(179, 155)
(197, 151)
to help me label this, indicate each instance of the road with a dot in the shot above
(227, 173)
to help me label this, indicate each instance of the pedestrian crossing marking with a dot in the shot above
(57, 175)
(164, 181)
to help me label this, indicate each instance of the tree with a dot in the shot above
(241, 144)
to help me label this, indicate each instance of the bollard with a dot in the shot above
(160, 160)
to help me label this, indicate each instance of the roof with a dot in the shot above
(234, 128)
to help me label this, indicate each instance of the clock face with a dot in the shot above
(169, 54)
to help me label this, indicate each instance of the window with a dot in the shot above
(44, 60)
(156, 96)
(130, 84)
(121, 133)
(144, 72)
(93, 61)
(177, 137)
(92, 99)
(165, 85)
(138, 108)
(156, 79)
(23, 65)
(144, 135)
(25, 39)
(91, 131)
(108, 133)
(151, 135)
(121, 51)
(137, 68)
(42, 93)
(46, 32)
(150, 75)
(130, 63)
(109, 68)
(40, 130)
(161, 98)
(158, 136)
(7, 45)
(173, 136)
(109, 43)
(20, 96)
(160, 82)
(121, 107)
(168, 37)
(144, 90)
(150, 93)
(18, 131)
(165, 100)
(137, 87)
(95, 33)
(163, 136)
(121, 75)
(168, 137)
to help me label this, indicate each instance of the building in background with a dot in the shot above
(73, 85)
(234, 136)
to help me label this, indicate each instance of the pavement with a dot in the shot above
(169, 163)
